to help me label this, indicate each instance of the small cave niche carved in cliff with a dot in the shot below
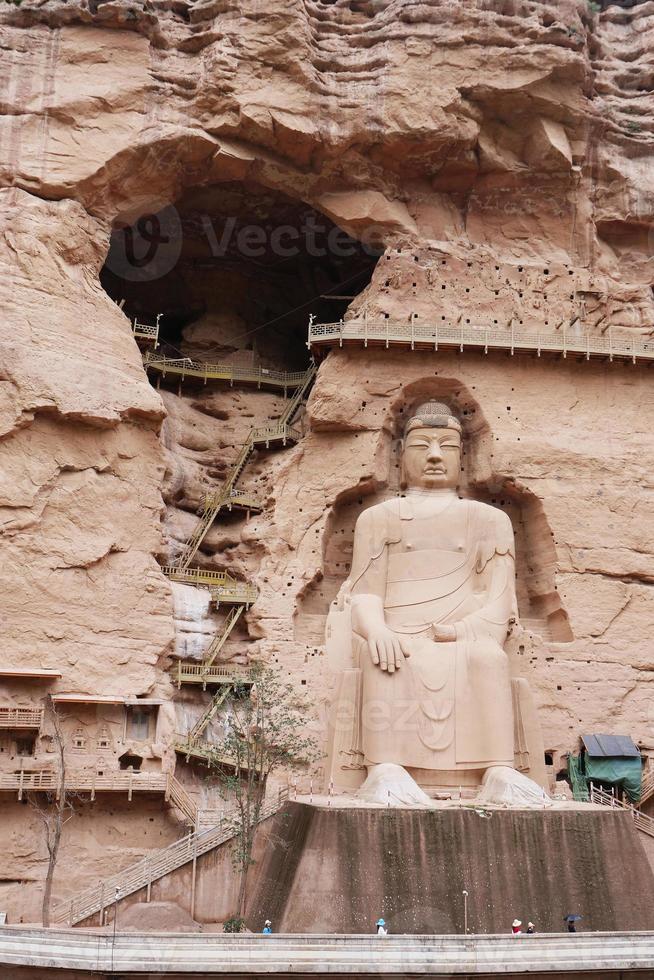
(539, 603)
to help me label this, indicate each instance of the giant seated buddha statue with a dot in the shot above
(418, 632)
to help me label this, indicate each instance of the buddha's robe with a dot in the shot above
(449, 705)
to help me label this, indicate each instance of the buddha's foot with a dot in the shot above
(392, 785)
(504, 786)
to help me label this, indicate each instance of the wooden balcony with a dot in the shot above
(191, 672)
(21, 718)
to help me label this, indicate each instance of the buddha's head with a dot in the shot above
(431, 452)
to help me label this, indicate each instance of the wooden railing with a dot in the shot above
(186, 367)
(641, 821)
(610, 344)
(190, 672)
(198, 748)
(21, 717)
(89, 781)
(151, 868)
(646, 787)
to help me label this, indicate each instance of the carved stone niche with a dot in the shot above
(540, 608)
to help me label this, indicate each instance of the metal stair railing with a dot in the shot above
(221, 638)
(567, 341)
(177, 795)
(151, 868)
(216, 703)
(641, 821)
(647, 787)
(280, 430)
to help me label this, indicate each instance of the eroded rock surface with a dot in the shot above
(497, 156)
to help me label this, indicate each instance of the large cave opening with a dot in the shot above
(235, 270)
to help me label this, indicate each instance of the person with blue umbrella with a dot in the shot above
(571, 921)
(381, 928)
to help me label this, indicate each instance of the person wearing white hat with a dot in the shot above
(267, 927)
(516, 927)
(531, 928)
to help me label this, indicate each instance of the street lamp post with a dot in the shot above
(465, 911)
(113, 938)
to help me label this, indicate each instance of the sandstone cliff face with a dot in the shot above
(496, 153)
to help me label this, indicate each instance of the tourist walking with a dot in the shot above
(571, 921)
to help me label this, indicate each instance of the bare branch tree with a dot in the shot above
(264, 732)
(54, 809)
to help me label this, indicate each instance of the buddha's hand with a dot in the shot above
(386, 649)
(443, 633)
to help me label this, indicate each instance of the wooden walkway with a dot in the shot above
(609, 346)
(186, 367)
(222, 586)
(90, 781)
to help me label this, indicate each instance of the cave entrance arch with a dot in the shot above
(235, 269)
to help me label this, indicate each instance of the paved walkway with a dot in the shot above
(304, 955)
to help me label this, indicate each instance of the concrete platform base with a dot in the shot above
(31, 954)
(330, 870)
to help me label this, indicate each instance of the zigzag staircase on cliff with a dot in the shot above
(191, 672)
(280, 431)
(193, 744)
(151, 868)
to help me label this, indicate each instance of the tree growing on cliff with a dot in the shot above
(264, 731)
(54, 808)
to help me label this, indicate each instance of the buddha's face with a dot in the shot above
(432, 458)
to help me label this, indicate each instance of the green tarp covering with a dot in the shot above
(622, 772)
(577, 779)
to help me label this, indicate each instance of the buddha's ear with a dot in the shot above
(403, 483)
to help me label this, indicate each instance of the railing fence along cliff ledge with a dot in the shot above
(423, 336)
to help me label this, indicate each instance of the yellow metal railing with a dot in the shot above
(227, 495)
(147, 331)
(610, 344)
(223, 587)
(260, 376)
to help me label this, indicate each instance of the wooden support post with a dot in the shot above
(93, 786)
(101, 904)
(193, 879)
(20, 785)
(129, 786)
